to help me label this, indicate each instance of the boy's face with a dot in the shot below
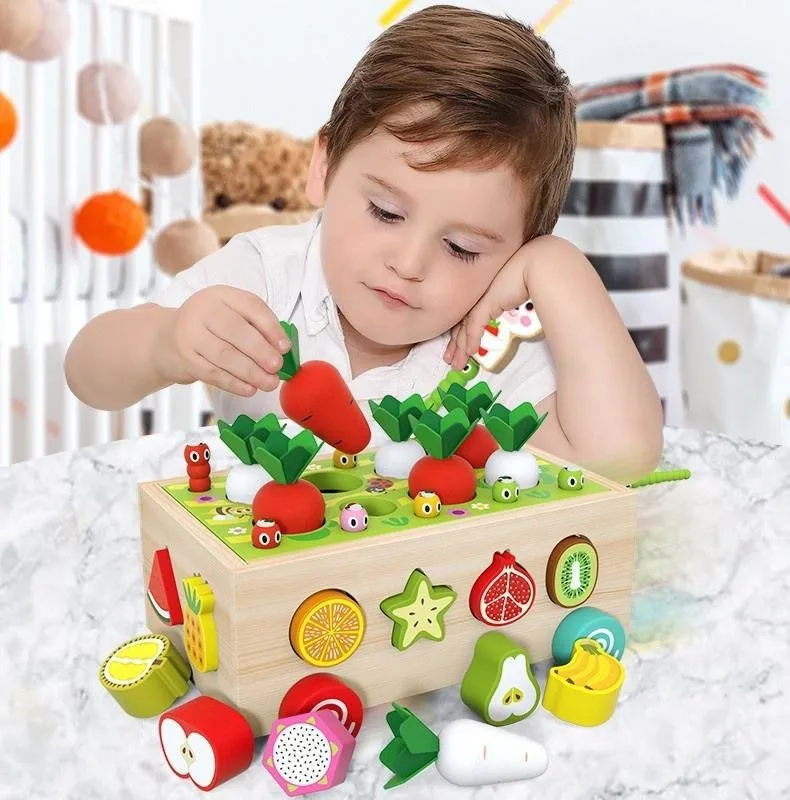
(407, 253)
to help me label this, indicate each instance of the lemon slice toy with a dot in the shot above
(145, 675)
(327, 628)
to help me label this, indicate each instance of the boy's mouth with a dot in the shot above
(391, 298)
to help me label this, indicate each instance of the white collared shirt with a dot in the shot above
(282, 264)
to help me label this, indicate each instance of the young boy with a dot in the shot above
(440, 176)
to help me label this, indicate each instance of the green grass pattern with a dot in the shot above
(390, 510)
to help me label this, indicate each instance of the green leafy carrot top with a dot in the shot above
(414, 746)
(291, 361)
(471, 400)
(244, 433)
(284, 458)
(441, 436)
(394, 416)
(512, 428)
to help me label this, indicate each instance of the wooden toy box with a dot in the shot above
(255, 599)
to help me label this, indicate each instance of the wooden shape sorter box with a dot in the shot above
(256, 596)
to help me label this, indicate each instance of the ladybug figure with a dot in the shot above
(266, 534)
(353, 518)
(198, 458)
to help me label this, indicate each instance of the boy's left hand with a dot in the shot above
(507, 290)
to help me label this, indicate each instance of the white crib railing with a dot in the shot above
(51, 285)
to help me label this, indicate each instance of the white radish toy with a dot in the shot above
(395, 458)
(512, 428)
(242, 437)
(466, 752)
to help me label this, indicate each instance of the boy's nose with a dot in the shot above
(409, 263)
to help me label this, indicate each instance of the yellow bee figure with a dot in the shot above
(344, 460)
(427, 505)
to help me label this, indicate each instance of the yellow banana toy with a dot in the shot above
(585, 690)
(580, 668)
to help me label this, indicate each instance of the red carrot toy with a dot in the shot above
(440, 470)
(315, 396)
(480, 443)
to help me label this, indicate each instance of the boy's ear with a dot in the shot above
(316, 175)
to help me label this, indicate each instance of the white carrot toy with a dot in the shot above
(466, 752)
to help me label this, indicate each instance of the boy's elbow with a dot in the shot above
(635, 453)
(626, 452)
(646, 453)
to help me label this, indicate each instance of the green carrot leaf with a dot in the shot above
(270, 461)
(291, 358)
(414, 746)
(393, 415)
(385, 414)
(397, 717)
(456, 426)
(426, 431)
(285, 459)
(512, 428)
(441, 436)
(235, 436)
(471, 400)
(301, 451)
(268, 423)
(414, 405)
(525, 421)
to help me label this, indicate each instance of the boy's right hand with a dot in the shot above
(225, 337)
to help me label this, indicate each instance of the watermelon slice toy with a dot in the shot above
(163, 590)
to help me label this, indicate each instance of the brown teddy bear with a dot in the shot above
(252, 177)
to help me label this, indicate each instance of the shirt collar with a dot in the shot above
(315, 293)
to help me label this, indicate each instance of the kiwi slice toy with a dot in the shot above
(572, 571)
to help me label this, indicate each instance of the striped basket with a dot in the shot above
(615, 213)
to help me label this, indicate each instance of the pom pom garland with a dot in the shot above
(183, 243)
(166, 148)
(8, 121)
(20, 22)
(108, 92)
(111, 223)
(52, 36)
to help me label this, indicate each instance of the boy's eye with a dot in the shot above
(381, 214)
(459, 252)
(388, 217)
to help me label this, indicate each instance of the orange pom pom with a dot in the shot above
(111, 223)
(8, 121)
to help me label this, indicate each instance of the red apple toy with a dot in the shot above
(206, 741)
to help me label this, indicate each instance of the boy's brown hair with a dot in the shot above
(490, 88)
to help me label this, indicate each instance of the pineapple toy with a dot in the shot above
(200, 631)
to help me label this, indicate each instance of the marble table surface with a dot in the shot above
(702, 715)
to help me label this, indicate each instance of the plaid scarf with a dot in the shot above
(711, 118)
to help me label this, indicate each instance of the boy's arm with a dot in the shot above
(124, 355)
(606, 413)
(110, 364)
